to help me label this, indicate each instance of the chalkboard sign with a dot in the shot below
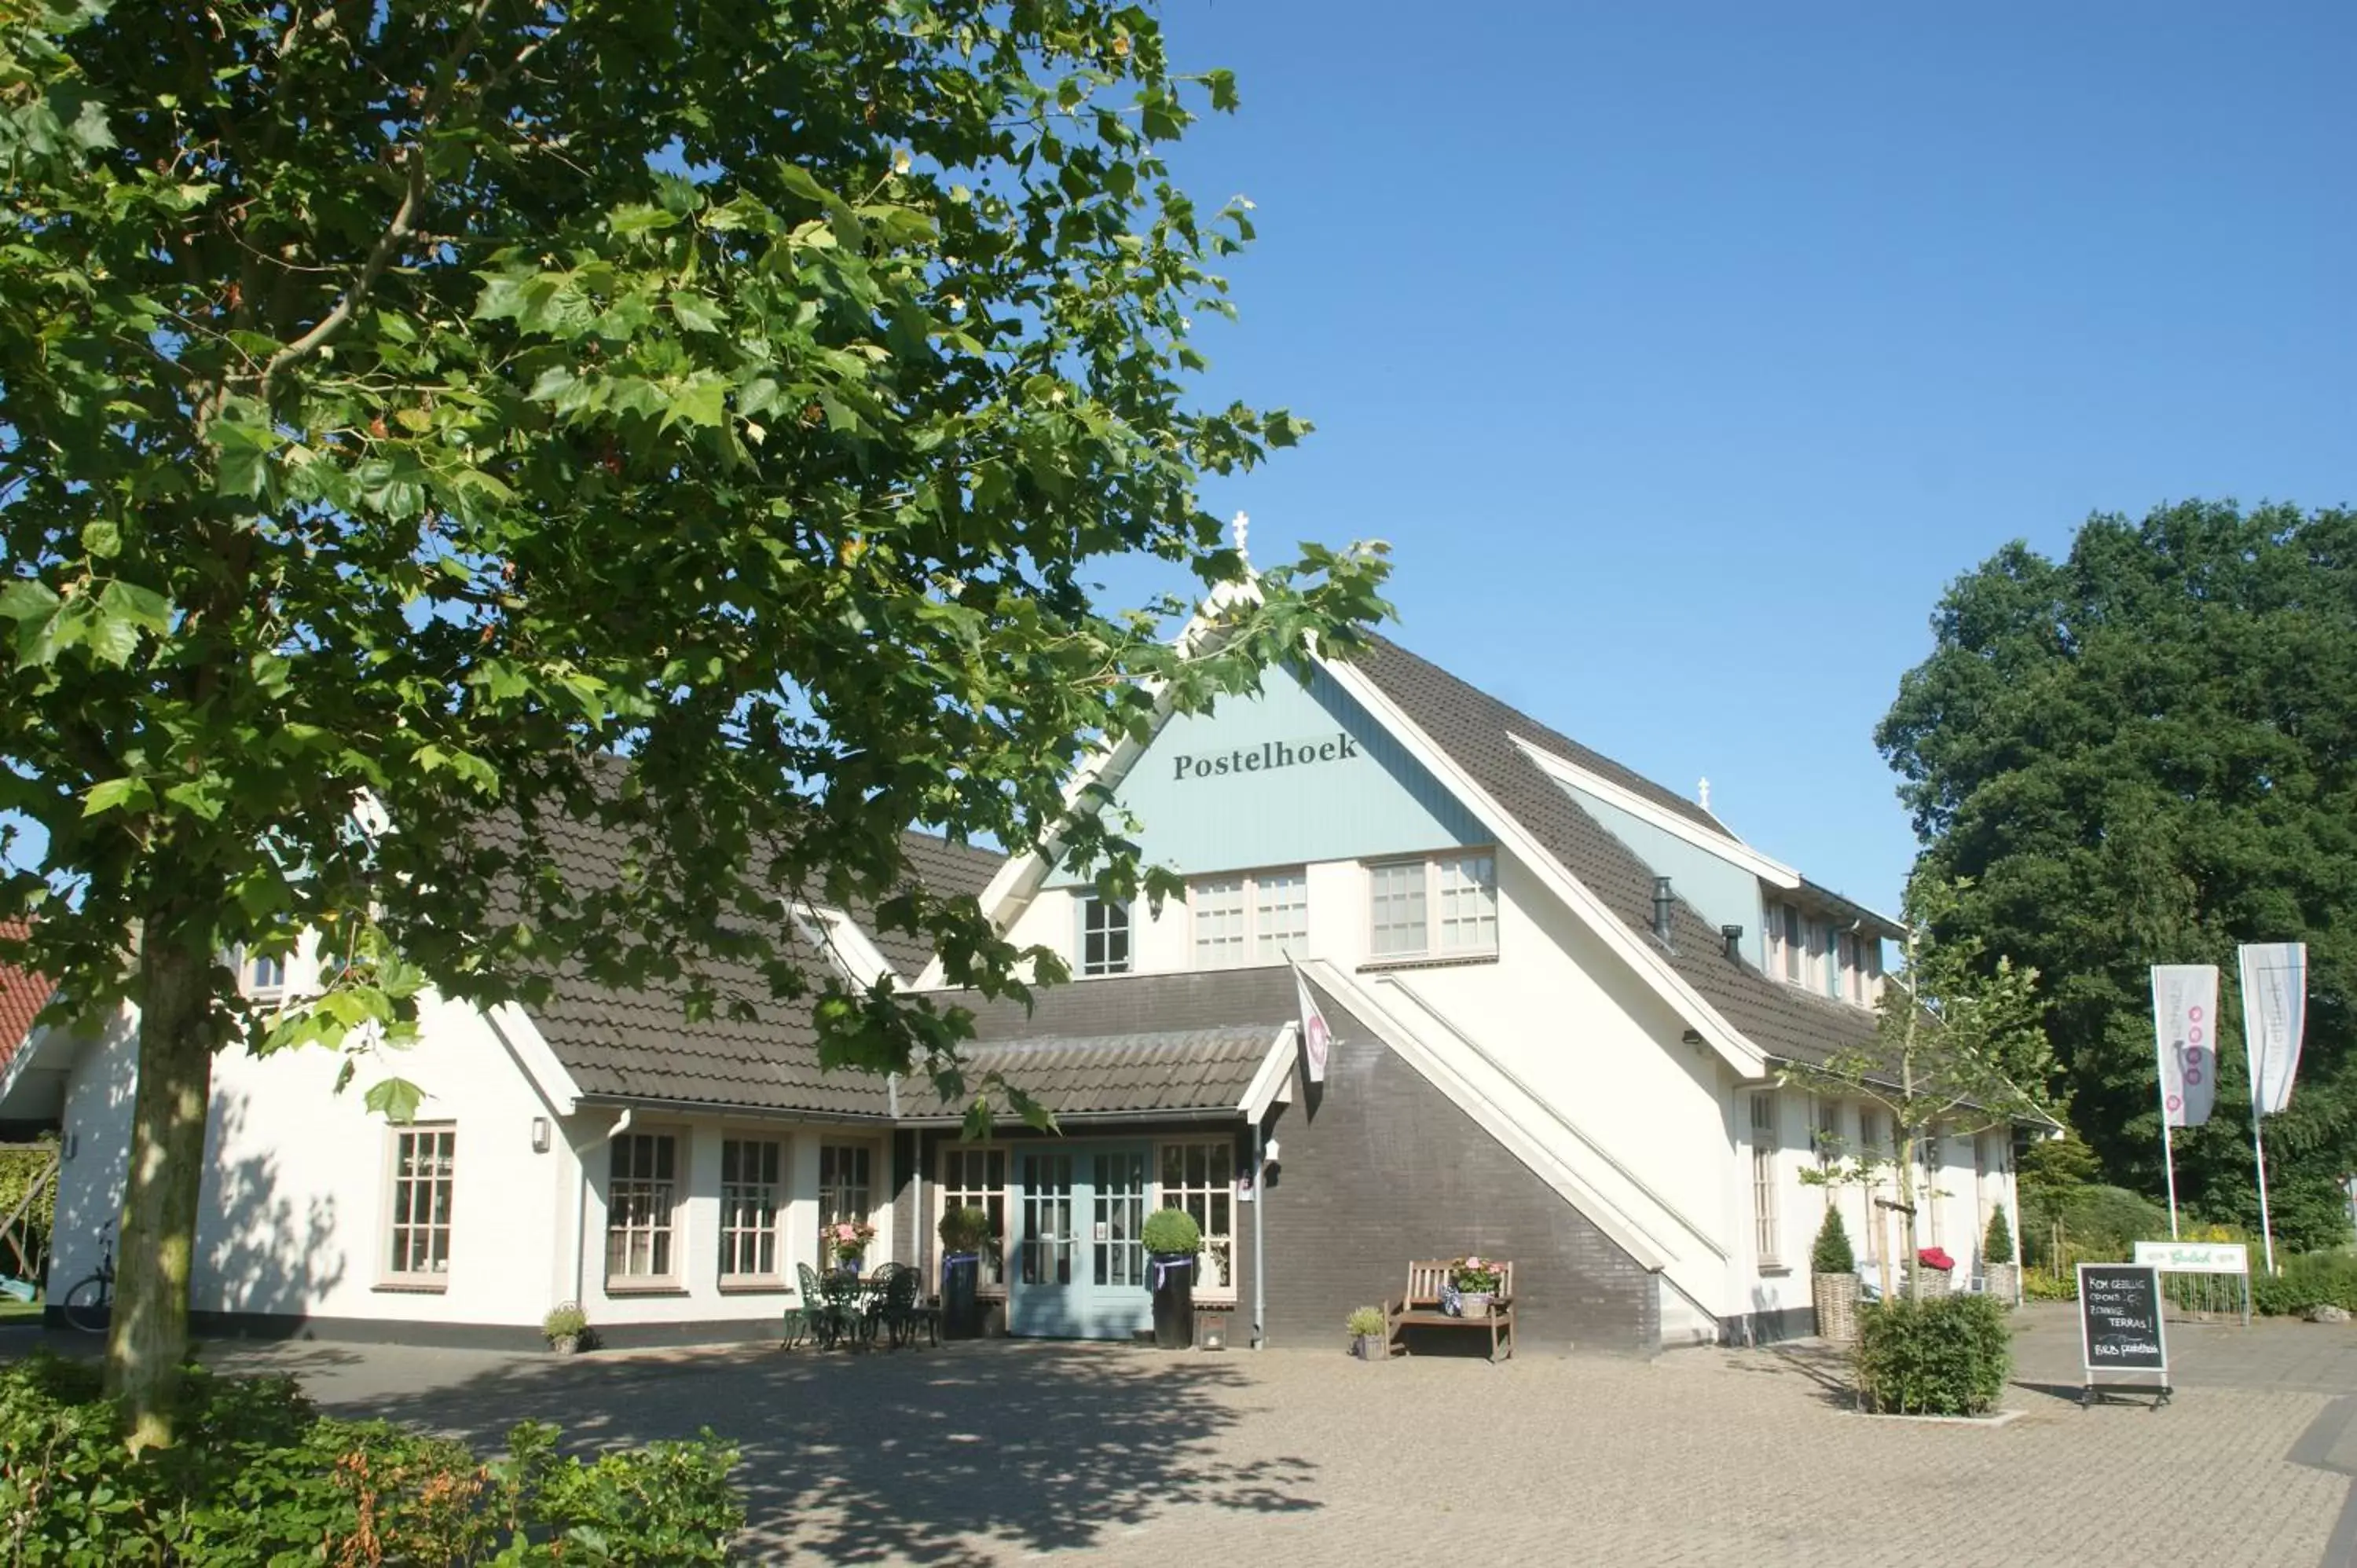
(2119, 1318)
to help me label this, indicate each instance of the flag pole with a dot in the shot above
(2168, 1159)
(2267, 1226)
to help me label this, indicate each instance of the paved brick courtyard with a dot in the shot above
(1004, 1451)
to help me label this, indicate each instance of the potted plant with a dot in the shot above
(1476, 1286)
(565, 1327)
(1366, 1325)
(1833, 1280)
(848, 1240)
(2004, 1272)
(964, 1231)
(1172, 1239)
(1933, 1267)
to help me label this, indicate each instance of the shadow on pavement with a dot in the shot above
(948, 1456)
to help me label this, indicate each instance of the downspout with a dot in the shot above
(581, 1203)
(1260, 1254)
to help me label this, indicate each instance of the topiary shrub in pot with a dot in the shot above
(1999, 1265)
(1172, 1239)
(1833, 1282)
(564, 1328)
(1946, 1355)
(1366, 1325)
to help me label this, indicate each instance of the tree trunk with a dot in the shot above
(1912, 1264)
(148, 1337)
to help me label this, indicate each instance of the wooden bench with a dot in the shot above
(1420, 1308)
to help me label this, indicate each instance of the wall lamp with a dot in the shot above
(540, 1134)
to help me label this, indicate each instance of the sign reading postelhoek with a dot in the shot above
(2195, 1257)
(2119, 1318)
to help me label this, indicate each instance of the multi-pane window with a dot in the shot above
(1104, 937)
(1260, 917)
(1829, 1133)
(846, 1188)
(976, 1178)
(1280, 915)
(1199, 1178)
(1046, 1245)
(1221, 936)
(1793, 944)
(1861, 963)
(422, 1168)
(749, 1194)
(265, 974)
(1446, 907)
(640, 1198)
(1763, 1177)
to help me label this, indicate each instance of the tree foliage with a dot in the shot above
(1957, 1049)
(2146, 753)
(434, 400)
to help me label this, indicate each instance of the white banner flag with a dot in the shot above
(2274, 1014)
(2185, 1029)
(1315, 1039)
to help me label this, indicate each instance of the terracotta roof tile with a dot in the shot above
(23, 995)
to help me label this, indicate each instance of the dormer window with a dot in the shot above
(263, 975)
(1105, 936)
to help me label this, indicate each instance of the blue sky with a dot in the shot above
(1684, 353)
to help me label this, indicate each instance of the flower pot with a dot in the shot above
(1474, 1303)
(1367, 1346)
(2005, 1282)
(1171, 1277)
(564, 1344)
(960, 1313)
(1836, 1297)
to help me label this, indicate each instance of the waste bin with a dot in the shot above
(961, 1316)
(1172, 1278)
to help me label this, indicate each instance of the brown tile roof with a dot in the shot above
(638, 1044)
(23, 995)
(1782, 1021)
(1135, 1044)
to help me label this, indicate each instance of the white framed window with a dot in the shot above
(752, 1191)
(1794, 942)
(1218, 907)
(976, 1177)
(1199, 1177)
(846, 1190)
(1861, 967)
(420, 1180)
(263, 975)
(1280, 915)
(641, 1207)
(1764, 1178)
(1253, 917)
(1828, 1133)
(1105, 936)
(1443, 907)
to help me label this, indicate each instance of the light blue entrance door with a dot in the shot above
(1080, 1266)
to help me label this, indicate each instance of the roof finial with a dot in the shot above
(1243, 528)
(1704, 791)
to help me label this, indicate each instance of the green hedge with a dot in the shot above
(260, 1480)
(2312, 1279)
(1946, 1355)
(21, 1166)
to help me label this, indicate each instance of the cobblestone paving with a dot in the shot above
(1006, 1453)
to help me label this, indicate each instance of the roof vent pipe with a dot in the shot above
(1734, 935)
(1662, 910)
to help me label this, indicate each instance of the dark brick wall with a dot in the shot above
(1380, 1168)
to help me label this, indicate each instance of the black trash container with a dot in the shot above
(961, 1316)
(1171, 1275)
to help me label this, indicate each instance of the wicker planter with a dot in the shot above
(1836, 1303)
(2005, 1282)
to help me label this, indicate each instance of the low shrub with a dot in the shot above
(1365, 1320)
(2311, 1279)
(1831, 1254)
(1945, 1355)
(1173, 1232)
(260, 1477)
(2039, 1285)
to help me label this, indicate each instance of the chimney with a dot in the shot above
(1734, 935)
(1661, 903)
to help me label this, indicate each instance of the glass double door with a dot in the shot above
(1079, 1269)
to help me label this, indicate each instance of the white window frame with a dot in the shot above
(1795, 943)
(1256, 935)
(735, 1234)
(391, 1272)
(1439, 892)
(249, 975)
(1204, 1201)
(1766, 1142)
(668, 1222)
(991, 1279)
(1083, 905)
(878, 1176)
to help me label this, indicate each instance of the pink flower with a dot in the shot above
(1473, 1263)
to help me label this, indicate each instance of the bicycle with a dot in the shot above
(89, 1304)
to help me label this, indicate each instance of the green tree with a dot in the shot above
(1957, 1049)
(409, 408)
(2145, 753)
